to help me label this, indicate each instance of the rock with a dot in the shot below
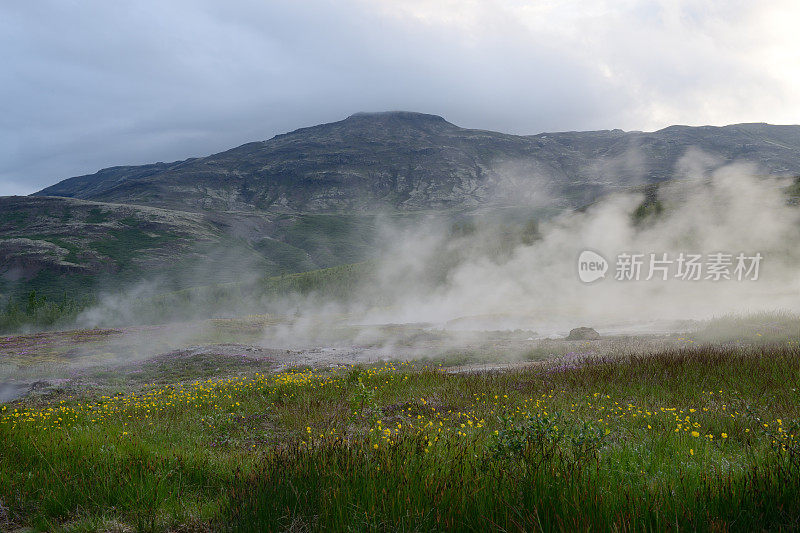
(583, 334)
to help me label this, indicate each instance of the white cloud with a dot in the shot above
(676, 61)
(94, 84)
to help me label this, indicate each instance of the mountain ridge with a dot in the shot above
(407, 161)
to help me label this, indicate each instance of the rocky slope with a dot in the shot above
(410, 161)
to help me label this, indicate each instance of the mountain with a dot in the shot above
(314, 198)
(411, 161)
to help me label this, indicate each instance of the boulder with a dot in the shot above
(583, 334)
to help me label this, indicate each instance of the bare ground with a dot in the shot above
(66, 361)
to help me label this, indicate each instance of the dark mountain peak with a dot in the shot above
(396, 116)
(408, 160)
(678, 128)
(742, 126)
(377, 125)
(395, 123)
(756, 125)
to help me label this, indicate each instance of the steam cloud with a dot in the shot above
(485, 278)
(708, 209)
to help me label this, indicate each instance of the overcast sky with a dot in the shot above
(88, 84)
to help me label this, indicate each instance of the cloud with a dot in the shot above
(93, 84)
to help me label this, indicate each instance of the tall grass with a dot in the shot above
(36, 311)
(776, 326)
(702, 439)
(462, 486)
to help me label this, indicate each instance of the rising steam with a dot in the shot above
(481, 275)
(704, 210)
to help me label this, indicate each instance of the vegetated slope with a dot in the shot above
(58, 244)
(44, 241)
(411, 161)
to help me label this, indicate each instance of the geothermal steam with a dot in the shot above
(728, 209)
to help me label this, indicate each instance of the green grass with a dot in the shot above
(754, 327)
(227, 299)
(37, 311)
(72, 249)
(14, 220)
(241, 298)
(97, 216)
(333, 239)
(793, 191)
(338, 283)
(287, 258)
(606, 444)
(126, 243)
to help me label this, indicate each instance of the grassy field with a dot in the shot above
(701, 438)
